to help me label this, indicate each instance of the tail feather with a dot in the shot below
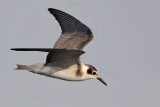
(22, 67)
(33, 68)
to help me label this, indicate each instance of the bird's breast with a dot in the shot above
(67, 74)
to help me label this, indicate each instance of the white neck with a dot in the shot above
(70, 73)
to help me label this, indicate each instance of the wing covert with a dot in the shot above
(75, 34)
(62, 58)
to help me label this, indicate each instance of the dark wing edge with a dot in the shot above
(47, 50)
(34, 49)
(57, 57)
(75, 34)
(69, 23)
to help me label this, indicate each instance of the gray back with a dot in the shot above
(63, 58)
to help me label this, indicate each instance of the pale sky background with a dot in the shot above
(126, 50)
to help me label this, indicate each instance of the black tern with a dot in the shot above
(63, 60)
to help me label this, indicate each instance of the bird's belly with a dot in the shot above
(64, 74)
(47, 70)
(67, 74)
(68, 77)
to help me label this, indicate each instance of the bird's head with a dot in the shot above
(92, 73)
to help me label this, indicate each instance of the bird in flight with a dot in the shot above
(63, 60)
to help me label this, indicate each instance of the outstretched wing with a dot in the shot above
(75, 35)
(62, 58)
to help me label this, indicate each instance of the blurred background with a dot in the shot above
(126, 50)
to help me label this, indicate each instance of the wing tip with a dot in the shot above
(13, 49)
(17, 49)
(52, 10)
(49, 9)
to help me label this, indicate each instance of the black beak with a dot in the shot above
(100, 79)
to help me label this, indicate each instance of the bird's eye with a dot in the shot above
(94, 72)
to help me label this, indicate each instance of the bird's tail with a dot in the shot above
(33, 68)
(22, 67)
